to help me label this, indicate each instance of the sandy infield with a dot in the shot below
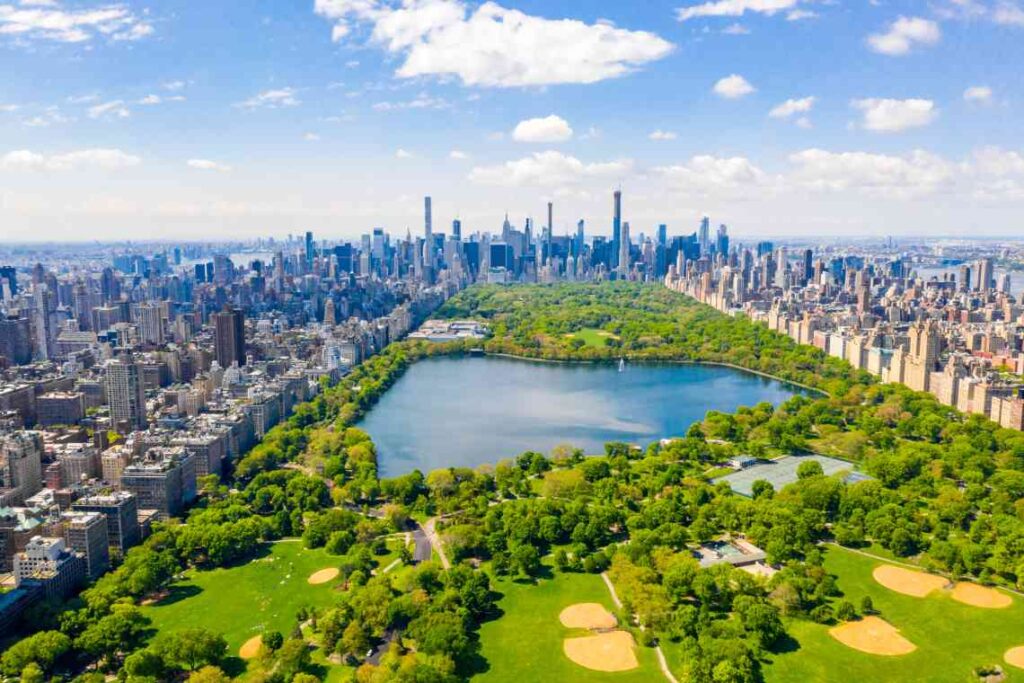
(611, 651)
(1015, 657)
(980, 596)
(323, 576)
(590, 615)
(251, 647)
(908, 581)
(874, 636)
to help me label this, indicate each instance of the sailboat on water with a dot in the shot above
(622, 364)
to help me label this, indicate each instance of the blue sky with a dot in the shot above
(777, 117)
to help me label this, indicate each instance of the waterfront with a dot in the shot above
(469, 411)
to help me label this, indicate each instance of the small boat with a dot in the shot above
(622, 365)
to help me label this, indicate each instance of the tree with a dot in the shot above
(867, 605)
(809, 469)
(32, 673)
(192, 648)
(292, 658)
(209, 674)
(764, 489)
(845, 611)
(273, 640)
(440, 633)
(146, 664)
(43, 649)
(119, 631)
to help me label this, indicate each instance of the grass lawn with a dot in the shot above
(240, 602)
(525, 644)
(951, 638)
(594, 337)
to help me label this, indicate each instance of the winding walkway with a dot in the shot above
(662, 662)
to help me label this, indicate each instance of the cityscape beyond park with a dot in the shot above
(427, 341)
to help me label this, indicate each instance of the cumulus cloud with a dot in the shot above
(38, 20)
(493, 46)
(734, 8)
(904, 34)
(403, 154)
(893, 116)
(880, 175)
(421, 101)
(979, 94)
(547, 129)
(458, 155)
(27, 160)
(548, 169)
(792, 106)
(662, 135)
(733, 87)
(271, 99)
(207, 165)
(705, 174)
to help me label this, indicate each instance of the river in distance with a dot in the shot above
(464, 412)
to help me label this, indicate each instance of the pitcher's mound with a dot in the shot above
(980, 596)
(1015, 657)
(590, 615)
(251, 648)
(908, 581)
(874, 636)
(611, 651)
(323, 576)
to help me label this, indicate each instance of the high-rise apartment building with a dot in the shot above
(229, 337)
(87, 533)
(126, 394)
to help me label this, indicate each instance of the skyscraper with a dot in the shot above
(309, 249)
(624, 249)
(457, 230)
(704, 236)
(126, 394)
(229, 337)
(617, 227)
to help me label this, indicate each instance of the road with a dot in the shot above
(421, 553)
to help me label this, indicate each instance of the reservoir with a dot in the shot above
(464, 412)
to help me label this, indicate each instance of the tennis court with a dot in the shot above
(783, 471)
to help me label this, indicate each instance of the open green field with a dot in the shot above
(241, 602)
(593, 337)
(525, 644)
(951, 638)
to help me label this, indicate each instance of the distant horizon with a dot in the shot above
(227, 118)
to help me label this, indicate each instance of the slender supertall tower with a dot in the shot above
(550, 231)
(617, 227)
(428, 234)
(624, 249)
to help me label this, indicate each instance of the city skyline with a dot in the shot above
(339, 116)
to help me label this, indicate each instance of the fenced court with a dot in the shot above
(783, 471)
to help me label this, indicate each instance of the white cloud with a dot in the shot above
(311, 137)
(547, 129)
(8, 108)
(207, 165)
(549, 169)
(736, 30)
(1008, 14)
(86, 158)
(980, 94)
(893, 116)
(493, 46)
(403, 154)
(113, 110)
(458, 155)
(705, 174)
(174, 86)
(800, 15)
(422, 101)
(733, 87)
(734, 8)
(50, 21)
(660, 135)
(151, 100)
(271, 99)
(910, 175)
(792, 106)
(904, 34)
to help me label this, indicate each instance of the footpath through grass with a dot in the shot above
(951, 638)
(525, 644)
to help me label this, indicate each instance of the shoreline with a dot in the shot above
(667, 361)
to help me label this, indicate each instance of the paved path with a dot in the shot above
(662, 662)
(435, 541)
(421, 553)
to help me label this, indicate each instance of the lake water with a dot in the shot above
(446, 412)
